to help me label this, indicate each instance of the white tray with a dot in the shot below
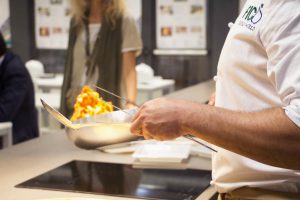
(167, 152)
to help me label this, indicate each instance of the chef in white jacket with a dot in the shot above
(256, 118)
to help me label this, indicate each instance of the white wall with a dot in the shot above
(4, 11)
(242, 2)
(135, 8)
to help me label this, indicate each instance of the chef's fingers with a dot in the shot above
(136, 126)
(157, 137)
(146, 135)
(211, 100)
(137, 114)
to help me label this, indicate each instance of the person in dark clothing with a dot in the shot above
(17, 103)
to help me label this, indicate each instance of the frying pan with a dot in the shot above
(97, 131)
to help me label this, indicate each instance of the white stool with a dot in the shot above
(6, 133)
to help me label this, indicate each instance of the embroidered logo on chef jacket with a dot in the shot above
(251, 16)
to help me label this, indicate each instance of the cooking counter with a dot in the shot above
(199, 92)
(29, 159)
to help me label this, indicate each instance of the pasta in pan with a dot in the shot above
(89, 103)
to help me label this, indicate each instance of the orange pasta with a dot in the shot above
(89, 103)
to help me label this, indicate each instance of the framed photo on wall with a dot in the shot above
(52, 18)
(5, 22)
(181, 24)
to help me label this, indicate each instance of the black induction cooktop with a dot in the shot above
(122, 180)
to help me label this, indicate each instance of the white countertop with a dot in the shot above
(199, 92)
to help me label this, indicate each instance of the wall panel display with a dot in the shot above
(52, 19)
(5, 22)
(181, 24)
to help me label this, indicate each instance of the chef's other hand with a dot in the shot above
(211, 100)
(160, 119)
(130, 106)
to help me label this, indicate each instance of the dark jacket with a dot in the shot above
(17, 98)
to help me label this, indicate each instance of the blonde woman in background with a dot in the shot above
(103, 45)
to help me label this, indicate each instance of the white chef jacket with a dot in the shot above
(259, 68)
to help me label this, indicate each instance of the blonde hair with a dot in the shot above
(110, 10)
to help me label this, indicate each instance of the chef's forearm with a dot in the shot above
(268, 136)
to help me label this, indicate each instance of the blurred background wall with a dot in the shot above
(185, 69)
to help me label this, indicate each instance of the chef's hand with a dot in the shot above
(159, 119)
(212, 98)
